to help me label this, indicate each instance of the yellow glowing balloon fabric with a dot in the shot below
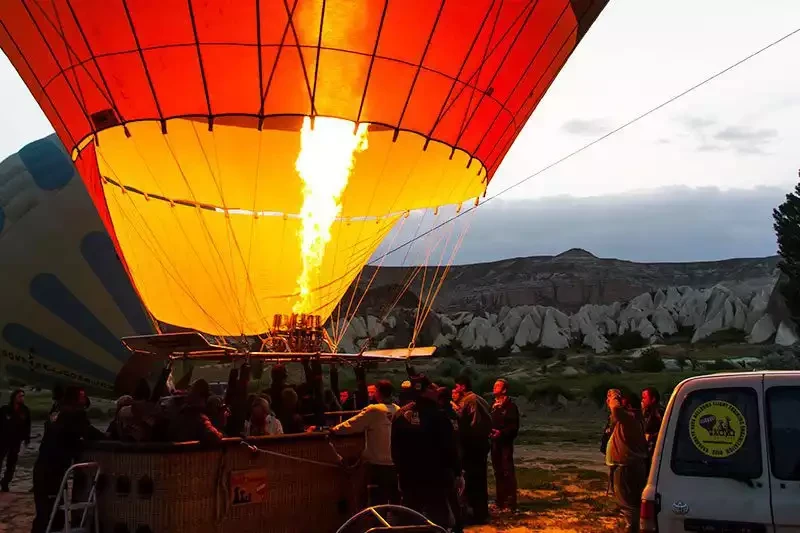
(248, 157)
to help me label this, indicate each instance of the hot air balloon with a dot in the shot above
(66, 299)
(247, 158)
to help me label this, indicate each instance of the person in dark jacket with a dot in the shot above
(626, 457)
(652, 414)
(60, 446)
(58, 398)
(192, 422)
(505, 427)
(474, 425)
(456, 491)
(15, 428)
(290, 419)
(113, 431)
(425, 455)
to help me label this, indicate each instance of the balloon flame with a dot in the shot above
(327, 155)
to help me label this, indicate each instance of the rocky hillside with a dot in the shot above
(649, 318)
(566, 281)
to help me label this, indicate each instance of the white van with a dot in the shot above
(728, 457)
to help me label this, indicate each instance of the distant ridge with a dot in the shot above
(567, 281)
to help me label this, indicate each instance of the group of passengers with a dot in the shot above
(428, 453)
(197, 415)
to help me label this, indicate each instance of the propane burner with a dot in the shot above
(299, 333)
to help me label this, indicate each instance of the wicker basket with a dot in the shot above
(183, 488)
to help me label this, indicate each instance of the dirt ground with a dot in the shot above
(562, 485)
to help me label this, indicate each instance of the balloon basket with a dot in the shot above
(283, 484)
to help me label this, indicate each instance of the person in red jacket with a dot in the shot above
(505, 427)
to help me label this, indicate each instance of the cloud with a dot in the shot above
(587, 127)
(698, 123)
(746, 141)
(713, 137)
(671, 224)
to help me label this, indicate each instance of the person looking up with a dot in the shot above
(505, 427)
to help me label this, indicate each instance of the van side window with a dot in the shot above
(718, 435)
(783, 406)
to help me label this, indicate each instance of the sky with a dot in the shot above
(697, 180)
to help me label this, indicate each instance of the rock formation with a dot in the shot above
(653, 315)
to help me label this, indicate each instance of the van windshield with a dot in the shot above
(783, 404)
(718, 435)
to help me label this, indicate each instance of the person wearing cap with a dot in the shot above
(505, 427)
(626, 457)
(425, 454)
(475, 426)
(375, 420)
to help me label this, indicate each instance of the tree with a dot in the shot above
(787, 229)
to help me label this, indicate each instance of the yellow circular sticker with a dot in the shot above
(718, 428)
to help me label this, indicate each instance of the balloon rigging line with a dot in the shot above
(592, 143)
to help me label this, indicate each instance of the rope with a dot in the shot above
(338, 464)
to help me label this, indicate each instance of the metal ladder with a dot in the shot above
(64, 501)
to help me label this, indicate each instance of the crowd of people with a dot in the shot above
(629, 442)
(428, 451)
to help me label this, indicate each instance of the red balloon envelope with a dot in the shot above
(247, 157)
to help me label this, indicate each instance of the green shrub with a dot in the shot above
(721, 364)
(548, 392)
(539, 352)
(449, 368)
(486, 356)
(516, 387)
(725, 336)
(649, 361)
(448, 351)
(630, 340)
(682, 336)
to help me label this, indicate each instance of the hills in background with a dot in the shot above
(566, 281)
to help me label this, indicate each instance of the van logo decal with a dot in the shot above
(680, 508)
(718, 428)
